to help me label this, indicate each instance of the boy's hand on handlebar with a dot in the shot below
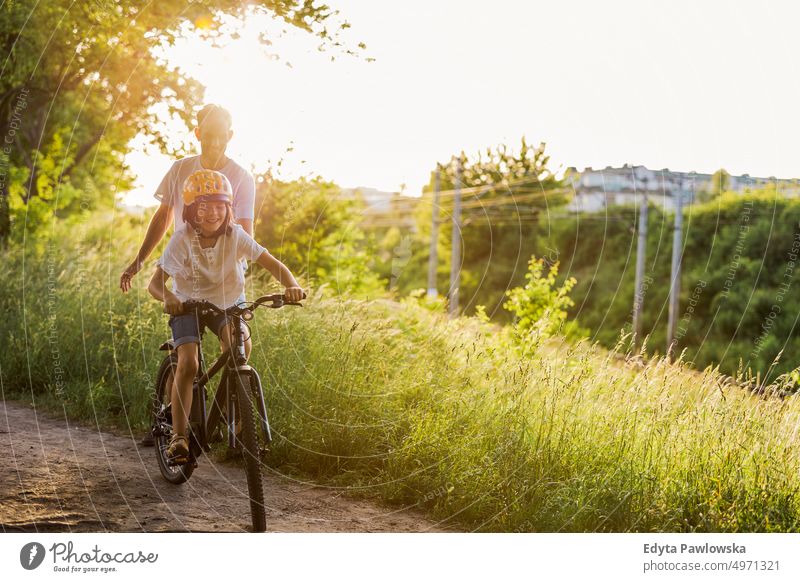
(294, 294)
(172, 304)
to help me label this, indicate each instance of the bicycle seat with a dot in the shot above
(168, 345)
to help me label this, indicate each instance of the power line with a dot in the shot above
(486, 188)
(500, 219)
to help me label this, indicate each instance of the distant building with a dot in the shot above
(596, 190)
(385, 209)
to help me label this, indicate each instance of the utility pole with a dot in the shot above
(675, 283)
(638, 298)
(455, 257)
(433, 258)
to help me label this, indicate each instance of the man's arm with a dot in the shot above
(158, 226)
(244, 203)
(247, 225)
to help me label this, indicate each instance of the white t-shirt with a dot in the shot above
(170, 191)
(215, 274)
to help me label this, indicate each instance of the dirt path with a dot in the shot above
(56, 477)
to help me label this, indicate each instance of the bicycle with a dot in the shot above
(240, 392)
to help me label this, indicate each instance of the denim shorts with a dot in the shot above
(186, 328)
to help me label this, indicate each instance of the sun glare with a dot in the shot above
(267, 93)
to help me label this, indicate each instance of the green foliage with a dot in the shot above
(720, 183)
(313, 229)
(738, 300)
(420, 298)
(540, 307)
(81, 79)
(514, 189)
(69, 336)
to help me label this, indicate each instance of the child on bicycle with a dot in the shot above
(204, 258)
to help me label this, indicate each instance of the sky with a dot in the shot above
(680, 85)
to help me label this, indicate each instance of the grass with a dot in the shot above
(394, 401)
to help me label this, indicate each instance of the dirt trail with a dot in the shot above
(56, 477)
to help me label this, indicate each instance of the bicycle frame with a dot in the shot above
(233, 361)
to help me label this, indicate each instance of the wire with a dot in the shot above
(496, 219)
(488, 187)
(502, 201)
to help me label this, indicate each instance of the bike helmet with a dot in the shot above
(205, 186)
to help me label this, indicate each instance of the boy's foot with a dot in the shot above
(178, 450)
(148, 440)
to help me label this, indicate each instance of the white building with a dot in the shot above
(596, 190)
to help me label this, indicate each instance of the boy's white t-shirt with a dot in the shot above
(215, 274)
(170, 190)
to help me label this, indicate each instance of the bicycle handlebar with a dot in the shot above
(275, 300)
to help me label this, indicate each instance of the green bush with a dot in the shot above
(540, 307)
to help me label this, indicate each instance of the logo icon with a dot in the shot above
(31, 555)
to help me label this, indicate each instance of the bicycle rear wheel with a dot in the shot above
(251, 449)
(162, 423)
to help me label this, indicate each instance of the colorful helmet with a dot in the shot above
(205, 186)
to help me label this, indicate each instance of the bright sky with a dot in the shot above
(686, 85)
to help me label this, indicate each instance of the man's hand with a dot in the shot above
(172, 304)
(131, 270)
(294, 294)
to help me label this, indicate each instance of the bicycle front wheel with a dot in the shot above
(251, 449)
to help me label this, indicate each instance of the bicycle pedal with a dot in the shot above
(178, 461)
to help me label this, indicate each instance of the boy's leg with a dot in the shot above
(182, 394)
(186, 338)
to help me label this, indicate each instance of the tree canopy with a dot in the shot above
(79, 80)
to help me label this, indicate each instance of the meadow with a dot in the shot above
(389, 399)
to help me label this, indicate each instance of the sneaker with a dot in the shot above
(148, 440)
(178, 450)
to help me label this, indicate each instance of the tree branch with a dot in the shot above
(84, 149)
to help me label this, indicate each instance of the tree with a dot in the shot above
(509, 191)
(314, 230)
(720, 183)
(80, 80)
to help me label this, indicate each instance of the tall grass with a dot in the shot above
(395, 401)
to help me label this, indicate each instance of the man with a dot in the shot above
(213, 131)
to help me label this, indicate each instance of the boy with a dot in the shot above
(205, 260)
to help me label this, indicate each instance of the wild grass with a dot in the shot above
(392, 400)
